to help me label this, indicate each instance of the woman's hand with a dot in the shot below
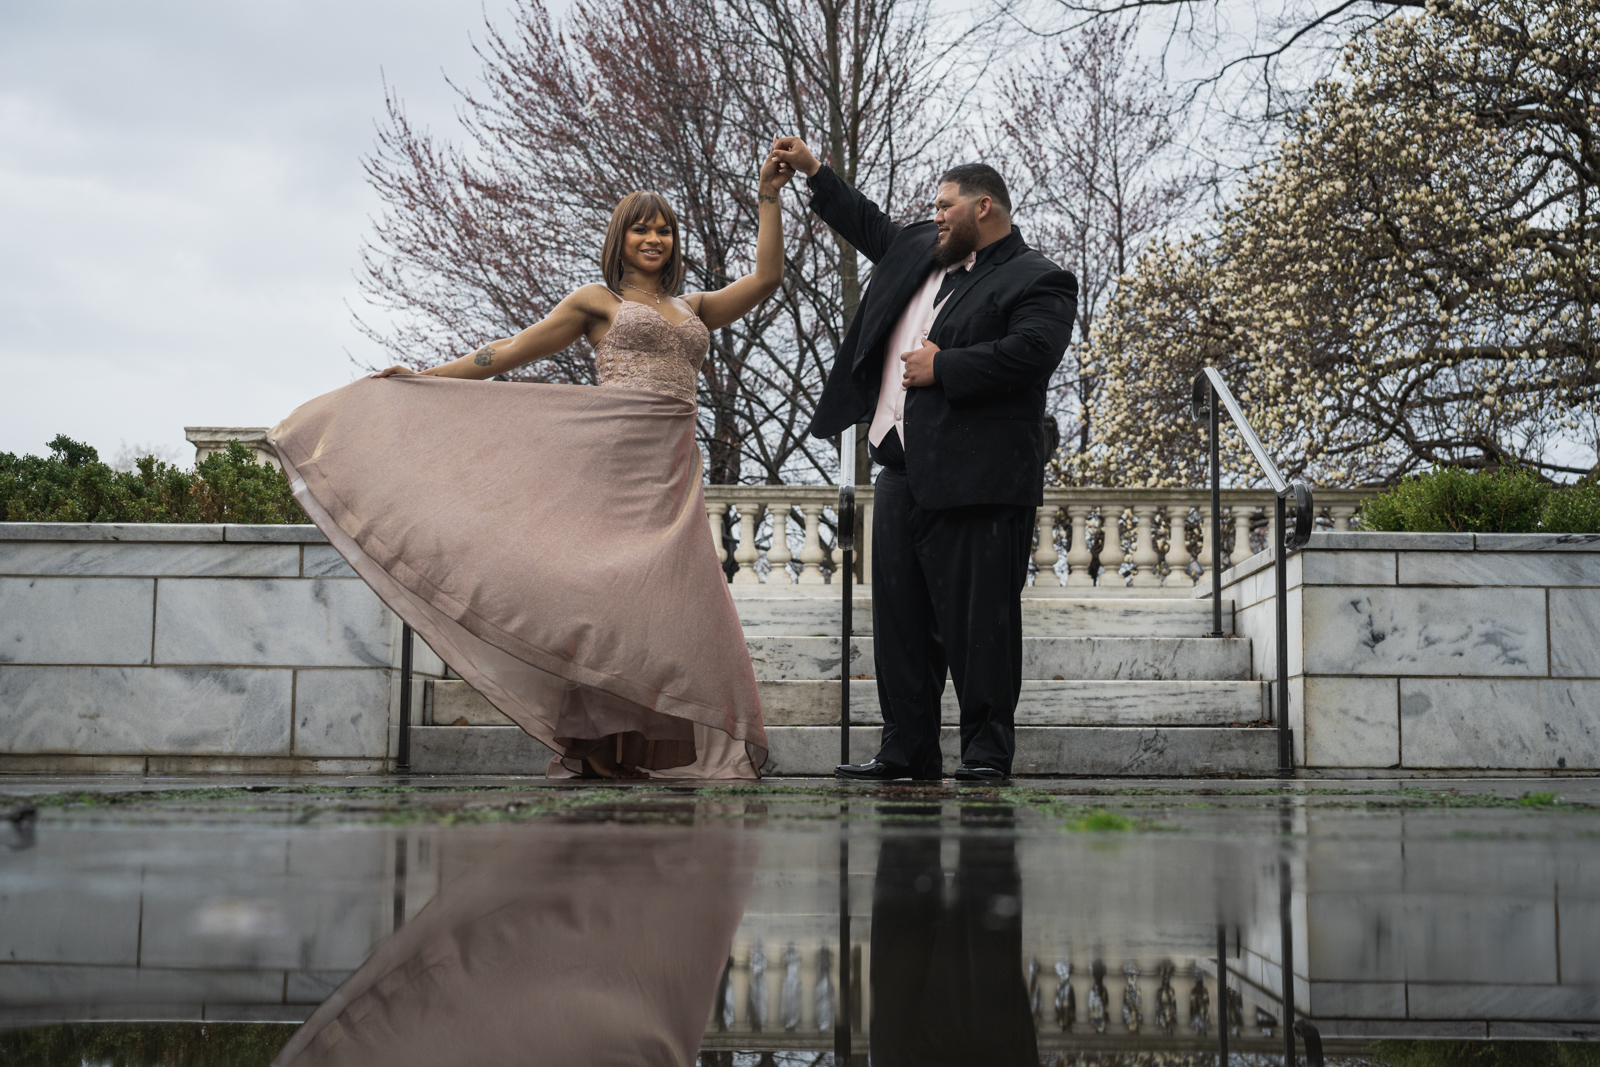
(390, 372)
(775, 173)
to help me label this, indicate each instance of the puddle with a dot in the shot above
(1080, 922)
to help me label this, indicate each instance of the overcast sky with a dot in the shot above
(182, 202)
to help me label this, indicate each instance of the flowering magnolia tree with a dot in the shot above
(1409, 280)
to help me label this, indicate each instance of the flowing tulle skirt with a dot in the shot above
(550, 543)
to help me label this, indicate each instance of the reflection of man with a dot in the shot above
(948, 356)
(947, 987)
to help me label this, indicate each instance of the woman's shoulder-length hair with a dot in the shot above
(635, 208)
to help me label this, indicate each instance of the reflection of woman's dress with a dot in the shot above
(559, 945)
(550, 542)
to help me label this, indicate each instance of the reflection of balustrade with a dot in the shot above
(805, 992)
(1140, 539)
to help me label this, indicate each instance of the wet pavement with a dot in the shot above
(487, 921)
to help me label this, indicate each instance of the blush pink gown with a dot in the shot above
(550, 543)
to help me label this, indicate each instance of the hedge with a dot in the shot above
(72, 485)
(1453, 500)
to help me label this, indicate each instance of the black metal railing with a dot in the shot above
(846, 539)
(1208, 385)
(402, 760)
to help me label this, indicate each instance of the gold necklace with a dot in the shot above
(635, 288)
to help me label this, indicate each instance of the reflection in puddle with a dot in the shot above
(606, 948)
(722, 930)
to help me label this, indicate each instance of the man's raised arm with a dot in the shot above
(850, 214)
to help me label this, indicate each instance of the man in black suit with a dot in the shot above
(949, 355)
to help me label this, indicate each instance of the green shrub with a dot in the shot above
(145, 1044)
(72, 485)
(1485, 1054)
(1455, 500)
(1572, 509)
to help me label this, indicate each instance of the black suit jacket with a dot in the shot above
(976, 436)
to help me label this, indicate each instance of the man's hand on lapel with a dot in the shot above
(919, 365)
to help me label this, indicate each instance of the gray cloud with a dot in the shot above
(182, 203)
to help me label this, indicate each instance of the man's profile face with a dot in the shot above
(957, 217)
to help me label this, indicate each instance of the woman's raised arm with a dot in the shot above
(735, 301)
(567, 322)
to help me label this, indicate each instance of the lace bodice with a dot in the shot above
(642, 350)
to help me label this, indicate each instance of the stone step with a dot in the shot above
(1041, 703)
(1041, 617)
(814, 750)
(779, 658)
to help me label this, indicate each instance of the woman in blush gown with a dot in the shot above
(549, 541)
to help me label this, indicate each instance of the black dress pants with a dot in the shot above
(947, 593)
(947, 981)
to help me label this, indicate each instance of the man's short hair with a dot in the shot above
(979, 179)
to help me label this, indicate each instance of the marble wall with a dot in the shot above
(193, 648)
(1434, 652)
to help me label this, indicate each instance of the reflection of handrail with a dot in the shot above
(1208, 384)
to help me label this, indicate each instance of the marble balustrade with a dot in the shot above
(1088, 539)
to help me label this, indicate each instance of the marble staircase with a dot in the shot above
(1112, 686)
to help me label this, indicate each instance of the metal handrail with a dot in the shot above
(1208, 384)
(845, 539)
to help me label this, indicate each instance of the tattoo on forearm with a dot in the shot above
(765, 199)
(484, 356)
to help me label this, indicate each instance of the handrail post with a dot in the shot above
(402, 761)
(847, 541)
(1280, 580)
(1216, 515)
(845, 538)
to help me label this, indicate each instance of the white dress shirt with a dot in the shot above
(909, 334)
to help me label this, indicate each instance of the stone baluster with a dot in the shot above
(1080, 552)
(779, 555)
(1241, 535)
(1204, 511)
(1178, 557)
(811, 554)
(1045, 556)
(714, 512)
(1143, 556)
(747, 554)
(1343, 516)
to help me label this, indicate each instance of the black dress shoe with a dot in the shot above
(870, 771)
(981, 772)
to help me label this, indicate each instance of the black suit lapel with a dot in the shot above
(964, 286)
(1006, 248)
(890, 304)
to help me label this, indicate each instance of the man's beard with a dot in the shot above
(960, 241)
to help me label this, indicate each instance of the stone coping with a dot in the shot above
(1356, 541)
(186, 532)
